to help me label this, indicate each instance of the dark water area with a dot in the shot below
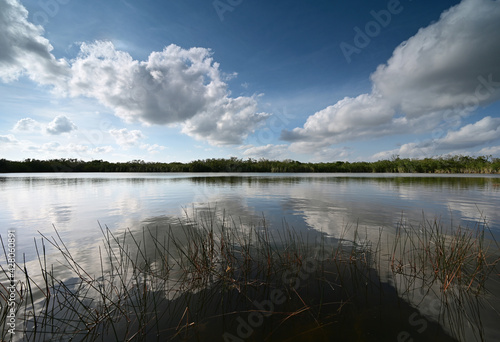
(341, 306)
(320, 301)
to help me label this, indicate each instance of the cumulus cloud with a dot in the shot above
(442, 73)
(126, 138)
(60, 124)
(484, 131)
(348, 119)
(226, 122)
(8, 140)
(71, 148)
(492, 150)
(450, 64)
(47, 147)
(23, 49)
(74, 148)
(102, 149)
(170, 87)
(155, 148)
(329, 153)
(27, 125)
(173, 86)
(409, 150)
(269, 151)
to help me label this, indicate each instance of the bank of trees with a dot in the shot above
(451, 164)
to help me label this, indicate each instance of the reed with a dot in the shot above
(212, 270)
(464, 257)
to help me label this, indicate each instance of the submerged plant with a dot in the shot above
(212, 278)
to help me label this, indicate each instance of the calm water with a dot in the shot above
(76, 203)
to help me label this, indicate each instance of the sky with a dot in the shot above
(314, 81)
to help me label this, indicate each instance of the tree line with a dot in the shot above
(450, 164)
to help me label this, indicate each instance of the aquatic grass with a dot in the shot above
(170, 282)
(458, 256)
(129, 277)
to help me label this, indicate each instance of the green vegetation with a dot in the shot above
(452, 164)
(214, 279)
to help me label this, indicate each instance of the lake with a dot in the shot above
(313, 205)
(75, 203)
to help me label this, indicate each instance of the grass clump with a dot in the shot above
(213, 278)
(463, 257)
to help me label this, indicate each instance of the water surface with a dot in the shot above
(314, 205)
(76, 203)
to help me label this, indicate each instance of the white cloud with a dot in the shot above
(227, 122)
(75, 148)
(443, 72)
(448, 65)
(328, 153)
(27, 125)
(155, 148)
(102, 149)
(168, 88)
(173, 86)
(278, 152)
(23, 49)
(492, 150)
(484, 131)
(60, 124)
(348, 119)
(50, 146)
(126, 138)
(415, 150)
(8, 140)
(70, 149)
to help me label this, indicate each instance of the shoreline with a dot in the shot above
(441, 165)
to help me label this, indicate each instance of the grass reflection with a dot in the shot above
(209, 278)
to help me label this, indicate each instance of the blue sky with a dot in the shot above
(179, 80)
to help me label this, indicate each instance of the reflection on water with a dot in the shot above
(182, 284)
(327, 203)
(146, 212)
